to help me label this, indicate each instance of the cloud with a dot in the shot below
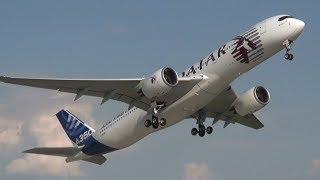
(43, 165)
(197, 171)
(45, 129)
(10, 132)
(315, 166)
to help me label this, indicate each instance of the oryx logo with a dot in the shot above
(242, 48)
(248, 47)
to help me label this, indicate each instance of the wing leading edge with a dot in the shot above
(123, 90)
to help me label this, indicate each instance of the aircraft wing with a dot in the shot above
(249, 120)
(123, 90)
(220, 108)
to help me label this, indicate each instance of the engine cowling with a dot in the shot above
(252, 100)
(160, 83)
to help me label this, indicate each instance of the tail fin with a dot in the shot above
(76, 130)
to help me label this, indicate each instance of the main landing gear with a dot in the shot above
(159, 106)
(155, 122)
(202, 130)
(287, 44)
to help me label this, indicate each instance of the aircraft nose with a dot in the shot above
(299, 25)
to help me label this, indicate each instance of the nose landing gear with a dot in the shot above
(288, 56)
(287, 44)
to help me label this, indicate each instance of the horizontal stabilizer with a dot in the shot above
(54, 151)
(96, 159)
(68, 152)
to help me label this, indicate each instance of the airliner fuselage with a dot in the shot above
(219, 69)
(165, 98)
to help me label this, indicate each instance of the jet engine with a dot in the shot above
(160, 83)
(251, 101)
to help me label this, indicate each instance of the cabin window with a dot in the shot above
(284, 17)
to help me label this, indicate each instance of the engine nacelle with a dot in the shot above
(160, 83)
(252, 100)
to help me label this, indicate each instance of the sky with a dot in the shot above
(113, 39)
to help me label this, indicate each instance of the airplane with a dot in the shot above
(165, 98)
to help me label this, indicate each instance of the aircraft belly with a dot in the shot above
(189, 104)
(125, 132)
(132, 129)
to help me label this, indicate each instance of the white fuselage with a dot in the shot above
(219, 69)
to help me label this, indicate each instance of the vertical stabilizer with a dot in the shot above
(76, 130)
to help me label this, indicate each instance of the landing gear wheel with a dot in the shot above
(155, 122)
(290, 56)
(194, 131)
(147, 123)
(287, 56)
(202, 133)
(287, 43)
(162, 122)
(209, 130)
(202, 130)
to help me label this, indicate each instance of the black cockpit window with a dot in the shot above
(284, 17)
